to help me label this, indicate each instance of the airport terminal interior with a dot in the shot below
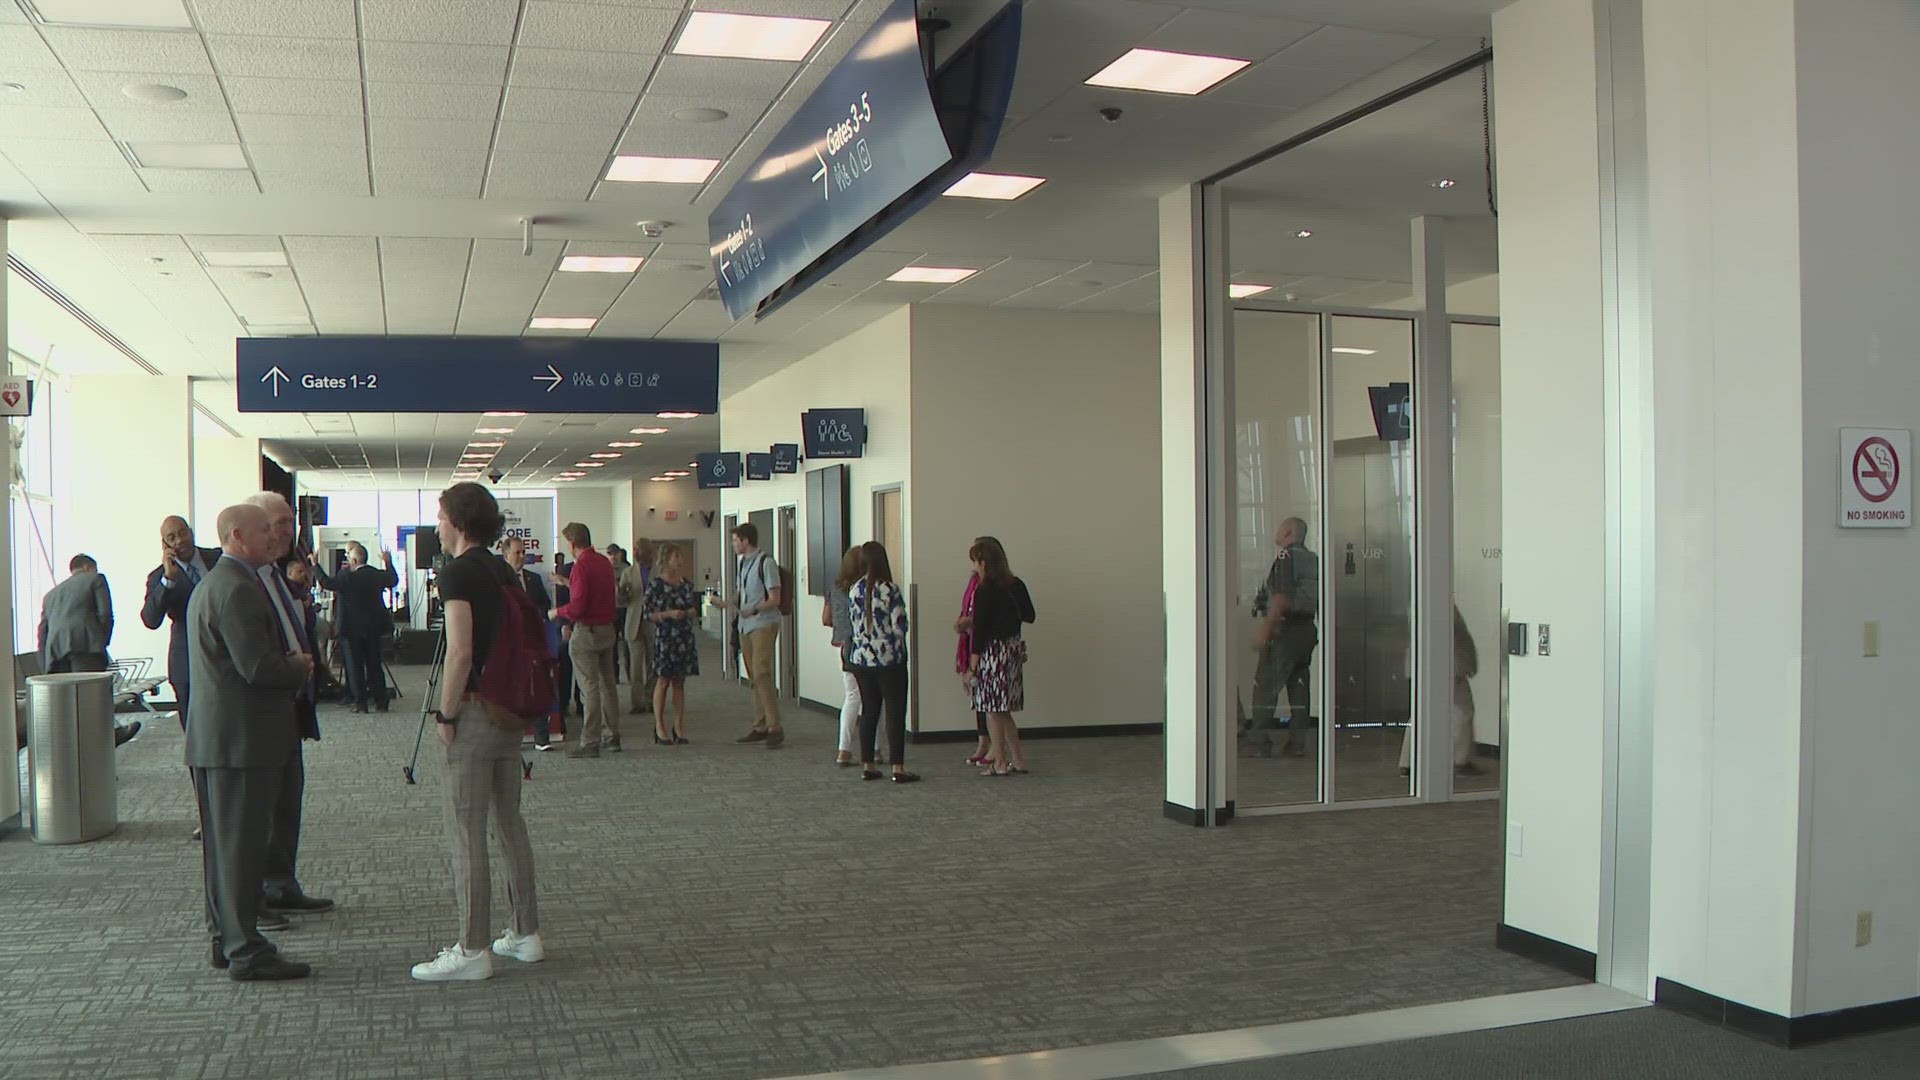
(1199, 538)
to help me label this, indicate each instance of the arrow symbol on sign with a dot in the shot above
(822, 175)
(278, 377)
(552, 380)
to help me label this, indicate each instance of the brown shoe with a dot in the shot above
(776, 738)
(584, 751)
(754, 736)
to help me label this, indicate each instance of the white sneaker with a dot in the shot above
(527, 949)
(455, 965)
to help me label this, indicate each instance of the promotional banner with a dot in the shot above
(532, 521)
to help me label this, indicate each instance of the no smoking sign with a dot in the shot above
(1874, 491)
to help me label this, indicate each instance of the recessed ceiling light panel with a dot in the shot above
(604, 455)
(601, 264)
(589, 464)
(494, 431)
(1000, 186)
(677, 416)
(625, 445)
(648, 431)
(1240, 290)
(640, 169)
(557, 322)
(1167, 72)
(1354, 352)
(749, 37)
(504, 414)
(139, 14)
(933, 275)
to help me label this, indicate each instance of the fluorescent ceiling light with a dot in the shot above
(589, 464)
(678, 415)
(625, 445)
(749, 37)
(648, 431)
(553, 322)
(471, 445)
(244, 258)
(1354, 352)
(601, 264)
(1240, 290)
(1003, 186)
(1167, 72)
(504, 414)
(676, 473)
(639, 169)
(139, 14)
(664, 479)
(603, 456)
(934, 275)
(166, 155)
(691, 465)
(494, 431)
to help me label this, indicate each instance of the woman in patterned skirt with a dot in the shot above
(671, 605)
(997, 669)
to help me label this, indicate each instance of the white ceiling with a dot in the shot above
(394, 146)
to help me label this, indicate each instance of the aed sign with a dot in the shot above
(16, 397)
(1875, 491)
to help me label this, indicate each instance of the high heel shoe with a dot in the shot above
(681, 740)
(978, 759)
(658, 741)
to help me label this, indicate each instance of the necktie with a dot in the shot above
(193, 571)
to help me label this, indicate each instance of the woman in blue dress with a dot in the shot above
(672, 604)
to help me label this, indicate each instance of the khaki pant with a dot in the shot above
(641, 672)
(592, 653)
(483, 776)
(758, 649)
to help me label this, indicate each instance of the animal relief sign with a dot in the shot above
(1874, 489)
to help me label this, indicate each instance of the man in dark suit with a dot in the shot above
(76, 620)
(361, 620)
(243, 738)
(280, 885)
(169, 587)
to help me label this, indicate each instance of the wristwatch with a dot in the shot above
(442, 718)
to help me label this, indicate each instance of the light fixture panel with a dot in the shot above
(641, 169)
(601, 264)
(1165, 72)
(555, 322)
(749, 37)
(1001, 186)
(131, 14)
(1240, 290)
(933, 275)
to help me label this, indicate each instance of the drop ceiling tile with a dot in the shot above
(1363, 51)
(278, 18)
(105, 90)
(57, 184)
(324, 163)
(86, 49)
(314, 131)
(148, 125)
(468, 164)
(466, 65)
(22, 52)
(516, 138)
(424, 253)
(430, 101)
(56, 123)
(530, 104)
(200, 181)
(550, 24)
(425, 186)
(1280, 85)
(289, 58)
(580, 69)
(406, 133)
(281, 184)
(709, 77)
(451, 22)
(673, 139)
(554, 186)
(793, 9)
(294, 97)
(1214, 33)
(63, 153)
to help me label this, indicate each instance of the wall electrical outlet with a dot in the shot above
(1546, 640)
(1863, 930)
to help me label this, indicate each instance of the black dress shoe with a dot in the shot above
(269, 969)
(124, 735)
(268, 922)
(296, 905)
(219, 957)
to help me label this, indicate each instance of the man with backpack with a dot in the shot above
(590, 607)
(761, 598)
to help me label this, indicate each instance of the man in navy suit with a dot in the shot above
(169, 587)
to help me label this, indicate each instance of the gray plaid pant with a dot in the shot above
(484, 777)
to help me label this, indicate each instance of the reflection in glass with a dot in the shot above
(1476, 553)
(1276, 661)
(1370, 552)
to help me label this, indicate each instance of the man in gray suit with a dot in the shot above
(76, 620)
(243, 739)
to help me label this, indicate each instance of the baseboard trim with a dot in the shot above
(1096, 731)
(1189, 815)
(1558, 955)
(1782, 1031)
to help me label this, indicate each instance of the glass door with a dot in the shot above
(786, 553)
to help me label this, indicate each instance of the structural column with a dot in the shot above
(10, 793)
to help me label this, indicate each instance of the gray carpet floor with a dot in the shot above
(724, 911)
(1636, 1045)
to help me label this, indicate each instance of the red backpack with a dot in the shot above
(515, 674)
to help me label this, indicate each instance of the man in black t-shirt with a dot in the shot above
(475, 578)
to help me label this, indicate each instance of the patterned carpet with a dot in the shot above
(724, 911)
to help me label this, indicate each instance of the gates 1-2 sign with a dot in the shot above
(1874, 489)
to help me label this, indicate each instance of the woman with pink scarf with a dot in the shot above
(963, 660)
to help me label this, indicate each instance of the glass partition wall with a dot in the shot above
(1347, 688)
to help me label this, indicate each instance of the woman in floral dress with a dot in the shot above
(672, 604)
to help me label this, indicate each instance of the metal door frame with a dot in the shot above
(786, 527)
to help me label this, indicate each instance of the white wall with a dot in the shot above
(871, 369)
(1038, 428)
(1552, 475)
(132, 456)
(1859, 76)
(226, 471)
(590, 506)
(678, 511)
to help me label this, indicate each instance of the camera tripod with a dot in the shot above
(427, 699)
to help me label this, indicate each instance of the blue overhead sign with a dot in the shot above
(834, 433)
(477, 374)
(866, 137)
(718, 470)
(786, 457)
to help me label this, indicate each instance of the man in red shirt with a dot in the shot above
(590, 608)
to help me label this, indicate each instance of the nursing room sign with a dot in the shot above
(1874, 491)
